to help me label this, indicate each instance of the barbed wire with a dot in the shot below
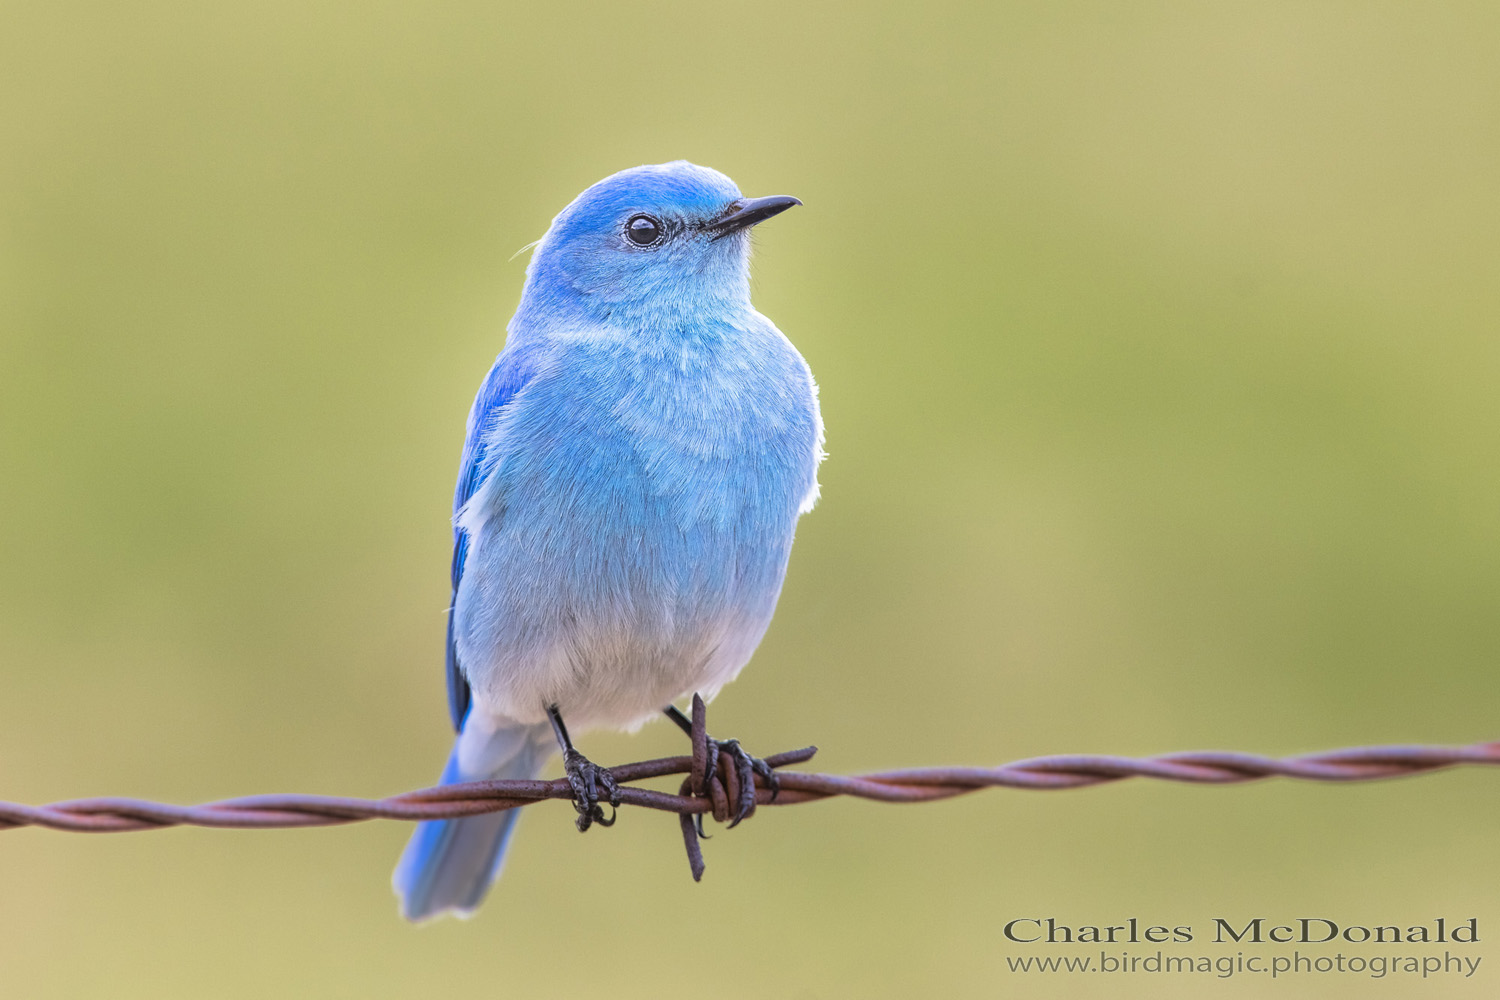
(698, 797)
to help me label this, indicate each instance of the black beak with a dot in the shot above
(747, 212)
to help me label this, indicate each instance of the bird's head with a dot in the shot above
(671, 238)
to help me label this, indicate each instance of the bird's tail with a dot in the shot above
(449, 864)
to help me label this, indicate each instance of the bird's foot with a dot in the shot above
(587, 779)
(746, 768)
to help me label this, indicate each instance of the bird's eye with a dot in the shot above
(643, 230)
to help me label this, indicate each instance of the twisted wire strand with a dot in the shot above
(117, 815)
(702, 793)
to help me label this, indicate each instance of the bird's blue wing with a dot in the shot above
(510, 373)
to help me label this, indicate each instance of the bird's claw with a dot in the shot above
(746, 768)
(586, 779)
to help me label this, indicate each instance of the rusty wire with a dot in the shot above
(928, 784)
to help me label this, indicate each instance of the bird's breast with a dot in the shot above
(710, 429)
(639, 517)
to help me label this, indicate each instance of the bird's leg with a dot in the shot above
(746, 767)
(586, 778)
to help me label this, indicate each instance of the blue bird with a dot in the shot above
(633, 471)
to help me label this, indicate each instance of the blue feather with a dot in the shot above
(449, 865)
(506, 376)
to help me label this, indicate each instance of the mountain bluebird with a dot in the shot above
(634, 467)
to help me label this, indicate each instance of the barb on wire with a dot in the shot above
(698, 798)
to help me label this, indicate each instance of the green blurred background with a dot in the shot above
(1158, 349)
